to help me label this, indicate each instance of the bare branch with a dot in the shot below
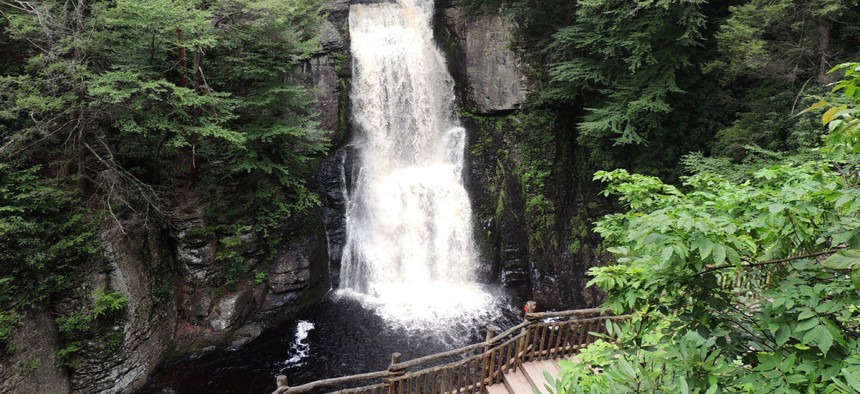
(770, 262)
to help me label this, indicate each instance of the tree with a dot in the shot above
(750, 286)
(631, 54)
(785, 40)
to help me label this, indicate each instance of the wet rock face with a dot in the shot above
(195, 253)
(321, 75)
(233, 307)
(494, 80)
(331, 179)
(292, 270)
(498, 204)
(30, 368)
(138, 263)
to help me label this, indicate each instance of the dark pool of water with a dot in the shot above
(346, 339)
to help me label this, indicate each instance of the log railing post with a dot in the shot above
(281, 381)
(488, 353)
(522, 343)
(394, 373)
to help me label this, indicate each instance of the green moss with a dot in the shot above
(343, 118)
(574, 246)
(162, 292)
(114, 339)
(74, 324)
(33, 364)
(8, 321)
(70, 355)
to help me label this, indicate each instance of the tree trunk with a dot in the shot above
(183, 58)
(199, 81)
(78, 115)
(824, 52)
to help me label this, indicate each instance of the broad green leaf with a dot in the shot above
(855, 278)
(829, 115)
(705, 248)
(719, 254)
(842, 238)
(795, 379)
(776, 208)
(825, 341)
(852, 379)
(667, 254)
(805, 314)
(782, 335)
(843, 260)
(813, 107)
(845, 199)
(807, 324)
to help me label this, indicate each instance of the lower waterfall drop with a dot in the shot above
(409, 249)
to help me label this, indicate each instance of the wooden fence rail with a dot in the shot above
(542, 336)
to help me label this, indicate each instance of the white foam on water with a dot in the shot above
(299, 348)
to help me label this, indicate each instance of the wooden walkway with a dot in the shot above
(509, 362)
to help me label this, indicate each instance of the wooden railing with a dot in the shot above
(549, 335)
(751, 278)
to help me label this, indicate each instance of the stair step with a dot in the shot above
(517, 383)
(534, 373)
(496, 389)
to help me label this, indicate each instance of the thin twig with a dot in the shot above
(769, 262)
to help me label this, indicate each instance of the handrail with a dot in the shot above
(524, 342)
(332, 382)
(574, 312)
(433, 357)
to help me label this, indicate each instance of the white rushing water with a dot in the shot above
(299, 348)
(409, 251)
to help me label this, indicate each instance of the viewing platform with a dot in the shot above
(513, 361)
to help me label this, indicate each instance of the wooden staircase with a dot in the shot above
(528, 379)
(513, 361)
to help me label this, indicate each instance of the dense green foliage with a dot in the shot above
(636, 53)
(748, 286)
(205, 85)
(42, 237)
(114, 113)
(657, 80)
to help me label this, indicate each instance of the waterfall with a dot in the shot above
(409, 247)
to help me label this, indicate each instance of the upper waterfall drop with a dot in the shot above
(409, 248)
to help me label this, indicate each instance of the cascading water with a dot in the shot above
(409, 249)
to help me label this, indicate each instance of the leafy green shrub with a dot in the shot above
(233, 263)
(43, 237)
(162, 292)
(33, 364)
(114, 339)
(75, 324)
(69, 356)
(7, 324)
(751, 286)
(109, 304)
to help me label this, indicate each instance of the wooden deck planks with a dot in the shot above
(517, 383)
(551, 366)
(534, 373)
(527, 379)
(498, 388)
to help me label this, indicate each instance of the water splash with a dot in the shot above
(299, 348)
(410, 251)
